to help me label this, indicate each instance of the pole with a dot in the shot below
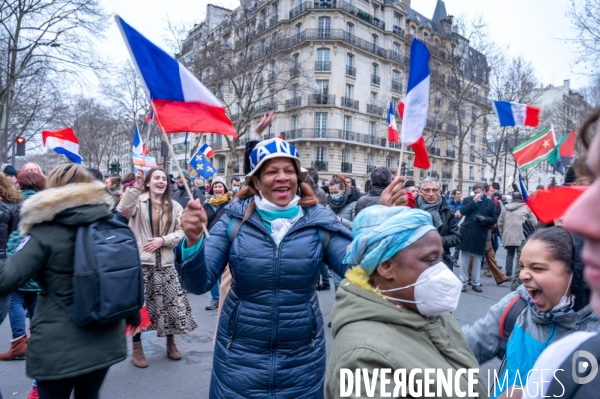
(400, 160)
(505, 164)
(187, 188)
(7, 100)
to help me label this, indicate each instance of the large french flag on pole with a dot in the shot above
(181, 103)
(416, 104)
(139, 148)
(392, 127)
(515, 114)
(64, 142)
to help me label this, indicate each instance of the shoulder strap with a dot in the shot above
(324, 235)
(234, 228)
(568, 387)
(507, 322)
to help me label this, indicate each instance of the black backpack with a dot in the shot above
(108, 281)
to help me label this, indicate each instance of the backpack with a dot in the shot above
(108, 281)
(507, 322)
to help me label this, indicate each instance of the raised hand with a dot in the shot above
(394, 194)
(139, 179)
(193, 220)
(265, 121)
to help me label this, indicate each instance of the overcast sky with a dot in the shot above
(534, 29)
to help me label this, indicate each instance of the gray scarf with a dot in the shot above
(434, 209)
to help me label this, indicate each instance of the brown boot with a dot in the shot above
(139, 360)
(172, 348)
(18, 347)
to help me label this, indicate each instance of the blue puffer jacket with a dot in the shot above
(270, 340)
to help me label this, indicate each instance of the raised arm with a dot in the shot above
(128, 205)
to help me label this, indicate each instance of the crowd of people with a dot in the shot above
(392, 254)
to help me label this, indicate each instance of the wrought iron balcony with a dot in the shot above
(374, 109)
(398, 31)
(350, 71)
(450, 154)
(294, 102)
(433, 151)
(221, 170)
(451, 128)
(323, 66)
(334, 134)
(321, 99)
(410, 172)
(346, 167)
(375, 79)
(349, 103)
(370, 168)
(446, 175)
(396, 86)
(274, 19)
(320, 166)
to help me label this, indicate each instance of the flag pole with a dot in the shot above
(185, 185)
(400, 160)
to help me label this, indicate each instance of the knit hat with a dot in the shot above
(380, 232)
(218, 180)
(186, 174)
(274, 148)
(10, 170)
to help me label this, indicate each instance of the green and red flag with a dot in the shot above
(564, 152)
(536, 149)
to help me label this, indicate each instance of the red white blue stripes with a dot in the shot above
(392, 127)
(138, 148)
(206, 150)
(64, 142)
(515, 114)
(181, 103)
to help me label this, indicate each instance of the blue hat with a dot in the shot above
(380, 232)
(274, 148)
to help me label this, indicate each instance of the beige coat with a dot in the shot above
(510, 223)
(134, 206)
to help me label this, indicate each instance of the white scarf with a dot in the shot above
(279, 227)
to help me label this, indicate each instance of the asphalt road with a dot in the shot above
(190, 377)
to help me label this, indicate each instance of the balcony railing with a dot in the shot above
(334, 134)
(396, 86)
(450, 154)
(374, 109)
(236, 168)
(217, 146)
(434, 125)
(321, 99)
(220, 170)
(350, 71)
(274, 19)
(294, 71)
(294, 102)
(337, 4)
(370, 168)
(346, 167)
(433, 151)
(375, 79)
(435, 175)
(323, 66)
(398, 31)
(320, 166)
(349, 103)
(265, 109)
(446, 175)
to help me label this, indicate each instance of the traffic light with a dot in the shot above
(403, 169)
(20, 141)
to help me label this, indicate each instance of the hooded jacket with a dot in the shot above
(370, 332)
(57, 348)
(533, 330)
(510, 223)
(270, 340)
(370, 199)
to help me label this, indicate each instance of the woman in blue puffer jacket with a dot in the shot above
(270, 339)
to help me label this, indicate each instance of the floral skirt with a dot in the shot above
(166, 300)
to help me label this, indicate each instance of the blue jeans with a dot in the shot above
(325, 274)
(16, 313)
(215, 291)
(336, 279)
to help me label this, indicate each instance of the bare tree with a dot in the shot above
(249, 69)
(585, 18)
(49, 39)
(95, 128)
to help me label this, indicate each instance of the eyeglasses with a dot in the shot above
(430, 190)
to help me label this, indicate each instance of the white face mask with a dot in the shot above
(437, 291)
(565, 301)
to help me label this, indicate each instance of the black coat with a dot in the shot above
(182, 198)
(212, 216)
(9, 222)
(449, 231)
(474, 233)
(370, 199)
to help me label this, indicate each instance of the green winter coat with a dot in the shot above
(13, 242)
(57, 348)
(370, 332)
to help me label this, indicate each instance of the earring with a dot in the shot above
(299, 192)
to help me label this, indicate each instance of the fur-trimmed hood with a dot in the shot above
(46, 205)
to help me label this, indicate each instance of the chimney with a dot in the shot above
(566, 85)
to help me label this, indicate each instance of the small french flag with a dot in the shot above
(206, 150)
(64, 142)
(139, 148)
(392, 127)
(149, 118)
(515, 114)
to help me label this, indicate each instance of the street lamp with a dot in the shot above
(7, 100)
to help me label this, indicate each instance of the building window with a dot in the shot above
(321, 154)
(473, 136)
(472, 154)
(438, 98)
(372, 131)
(435, 142)
(299, 31)
(449, 145)
(375, 41)
(375, 70)
(389, 162)
(347, 124)
(294, 124)
(396, 48)
(349, 91)
(324, 27)
(370, 160)
(350, 60)
(221, 164)
(321, 125)
(412, 30)
(373, 98)
(323, 63)
(471, 174)
(345, 156)
(350, 29)
(322, 87)
(395, 101)
(397, 20)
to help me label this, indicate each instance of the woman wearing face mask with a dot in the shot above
(392, 311)
(342, 200)
(270, 334)
(155, 218)
(555, 300)
(214, 206)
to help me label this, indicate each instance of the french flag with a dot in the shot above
(415, 106)
(206, 150)
(515, 114)
(392, 127)
(181, 103)
(149, 118)
(64, 142)
(139, 148)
